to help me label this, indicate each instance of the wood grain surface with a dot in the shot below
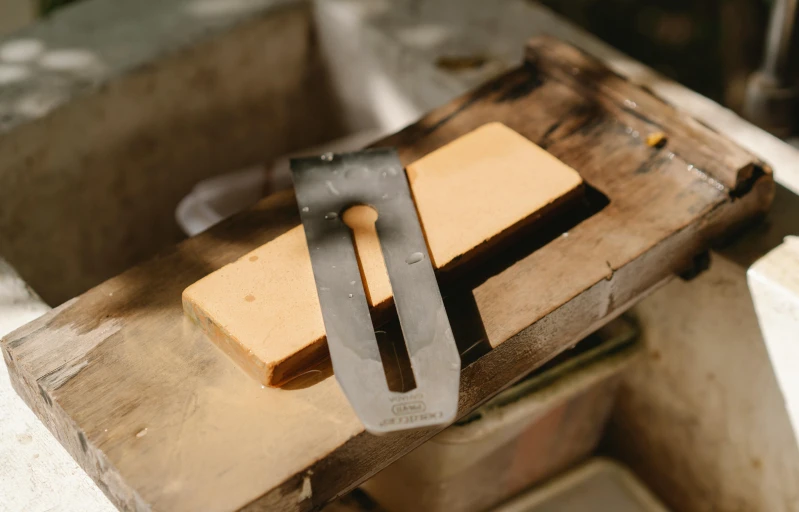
(471, 195)
(163, 420)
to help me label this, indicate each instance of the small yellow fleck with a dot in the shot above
(249, 298)
(656, 139)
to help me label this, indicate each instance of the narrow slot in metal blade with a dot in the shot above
(325, 187)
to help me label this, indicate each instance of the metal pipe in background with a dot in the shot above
(772, 94)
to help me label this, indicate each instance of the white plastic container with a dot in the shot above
(598, 485)
(217, 198)
(528, 433)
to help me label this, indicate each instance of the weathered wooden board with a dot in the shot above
(163, 420)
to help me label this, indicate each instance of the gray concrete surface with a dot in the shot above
(36, 472)
(16, 14)
(111, 110)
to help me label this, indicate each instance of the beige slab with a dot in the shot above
(263, 310)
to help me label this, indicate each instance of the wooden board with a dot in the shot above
(163, 420)
(471, 195)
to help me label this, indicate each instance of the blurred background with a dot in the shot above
(710, 46)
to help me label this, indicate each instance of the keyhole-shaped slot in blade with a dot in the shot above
(361, 220)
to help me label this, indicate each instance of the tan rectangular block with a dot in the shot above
(263, 309)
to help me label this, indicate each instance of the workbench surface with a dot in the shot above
(39, 474)
(161, 418)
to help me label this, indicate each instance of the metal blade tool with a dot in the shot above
(326, 187)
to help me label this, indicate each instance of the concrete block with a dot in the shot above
(16, 14)
(774, 283)
(110, 111)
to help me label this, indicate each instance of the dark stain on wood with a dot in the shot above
(745, 186)
(522, 85)
(582, 118)
(460, 62)
(638, 115)
(83, 444)
(44, 395)
(654, 162)
(699, 264)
